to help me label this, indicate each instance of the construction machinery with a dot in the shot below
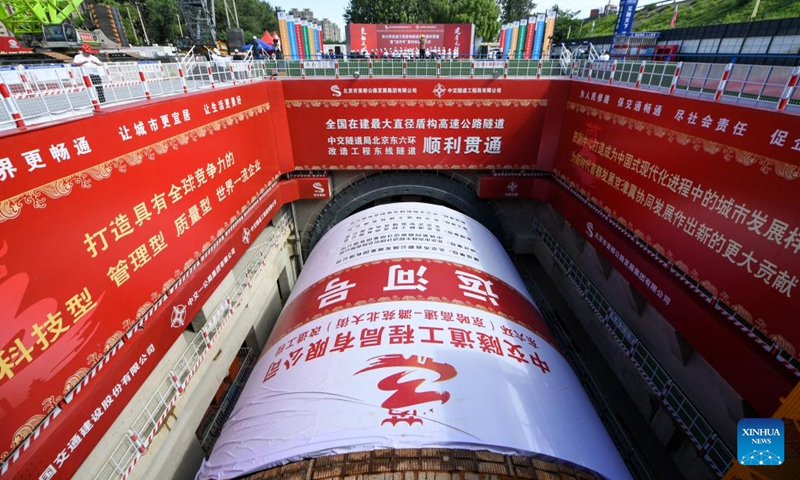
(45, 24)
(198, 16)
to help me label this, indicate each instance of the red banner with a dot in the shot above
(449, 283)
(135, 198)
(72, 435)
(298, 31)
(733, 355)
(530, 34)
(456, 37)
(709, 186)
(465, 124)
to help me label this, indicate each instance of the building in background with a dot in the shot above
(330, 30)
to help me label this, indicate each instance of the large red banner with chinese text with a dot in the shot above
(465, 124)
(72, 435)
(456, 37)
(733, 355)
(711, 187)
(100, 216)
(325, 296)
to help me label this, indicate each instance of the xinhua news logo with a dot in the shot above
(760, 442)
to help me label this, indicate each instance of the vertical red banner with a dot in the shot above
(298, 31)
(530, 34)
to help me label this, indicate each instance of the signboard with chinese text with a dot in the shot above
(456, 37)
(469, 124)
(113, 209)
(736, 357)
(426, 343)
(627, 10)
(712, 187)
(71, 436)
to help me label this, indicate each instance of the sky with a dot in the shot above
(334, 9)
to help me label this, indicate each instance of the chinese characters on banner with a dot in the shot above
(113, 217)
(420, 382)
(711, 187)
(456, 37)
(413, 230)
(447, 124)
(441, 325)
(93, 408)
(410, 279)
(731, 354)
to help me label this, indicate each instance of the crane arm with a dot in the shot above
(29, 15)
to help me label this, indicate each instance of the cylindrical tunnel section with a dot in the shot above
(409, 327)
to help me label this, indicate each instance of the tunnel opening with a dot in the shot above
(436, 188)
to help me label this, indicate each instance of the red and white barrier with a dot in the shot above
(613, 72)
(641, 74)
(788, 91)
(92, 92)
(183, 79)
(675, 77)
(723, 82)
(143, 81)
(210, 74)
(11, 106)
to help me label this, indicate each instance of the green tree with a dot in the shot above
(161, 19)
(483, 14)
(513, 10)
(566, 20)
(254, 17)
(383, 11)
(436, 11)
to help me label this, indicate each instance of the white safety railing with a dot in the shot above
(39, 94)
(212, 429)
(141, 433)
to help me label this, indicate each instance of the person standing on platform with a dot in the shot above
(92, 66)
(422, 47)
(255, 47)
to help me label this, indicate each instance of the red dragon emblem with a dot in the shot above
(405, 393)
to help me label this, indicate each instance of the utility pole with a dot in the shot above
(133, 25)
(180, 29)
(144, 29)
(235, 13)
(755, 10)
(227, 16)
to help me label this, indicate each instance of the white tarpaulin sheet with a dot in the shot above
(362, 372)
(411, 383)
(418, 230)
